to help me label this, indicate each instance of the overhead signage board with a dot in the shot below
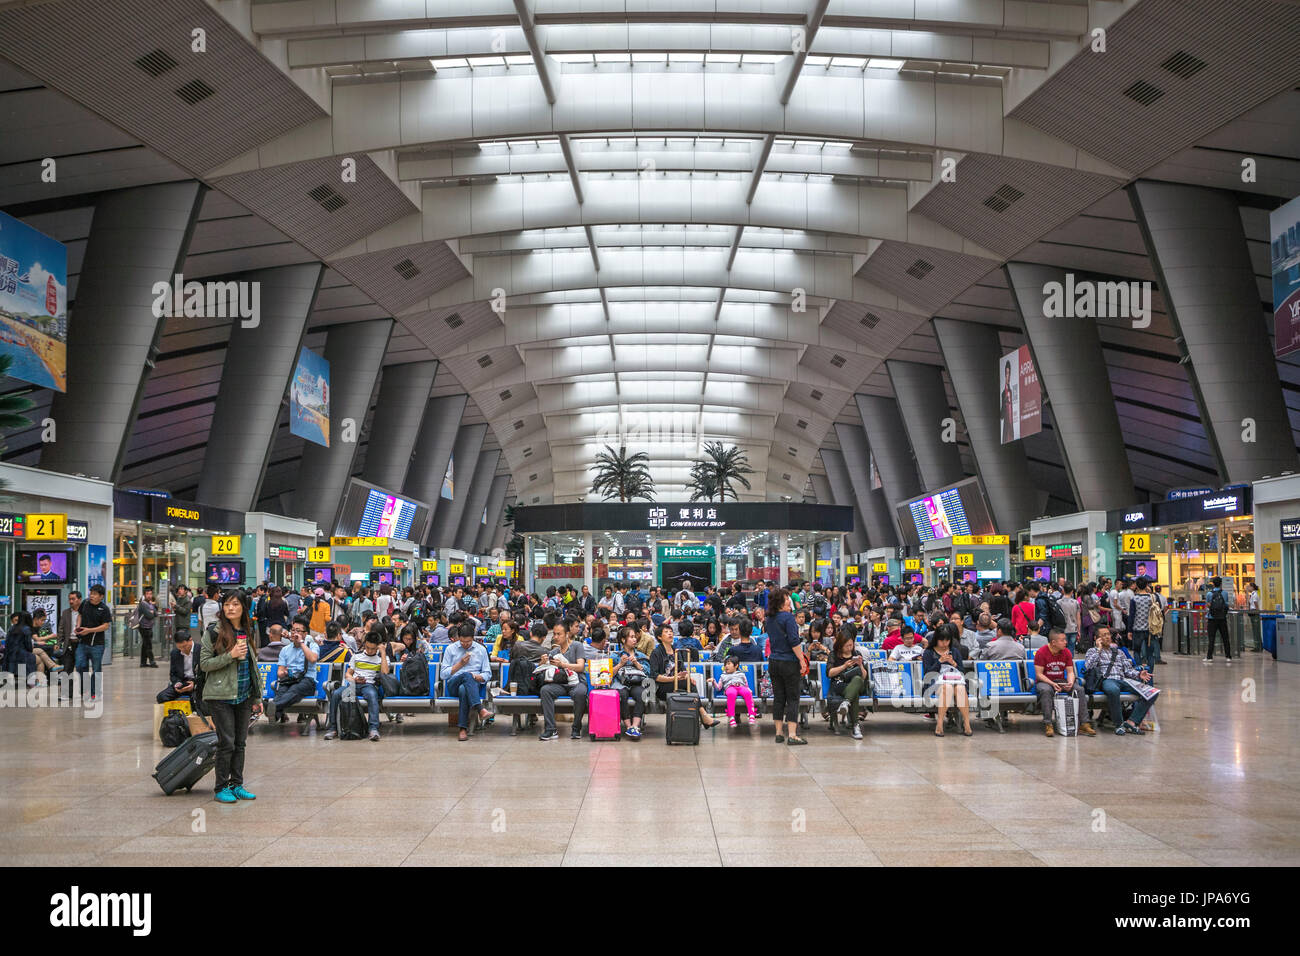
(980, 539)
(685, 516)
(47, 527)
(358, 542)
(1033, 552)
(1290, 529)
(1136, 543)
(318, 555)
(225, 544)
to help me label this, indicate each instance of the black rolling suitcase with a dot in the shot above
(187, 764)
(683, 720)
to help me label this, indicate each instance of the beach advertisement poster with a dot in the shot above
(33, 304)
(309, 399)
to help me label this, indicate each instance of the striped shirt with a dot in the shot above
(366, 667)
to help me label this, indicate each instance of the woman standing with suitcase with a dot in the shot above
(786, 666)
(232, 692)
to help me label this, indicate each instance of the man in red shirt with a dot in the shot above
(894, 637)
(1054, 674)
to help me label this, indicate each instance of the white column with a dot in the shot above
(528, 563)
(586, 562)
(783, 541)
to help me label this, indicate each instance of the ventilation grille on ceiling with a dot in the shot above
(156, 63)
(870, 320)
(528, 451)
(815, 395)
(328, 198)
(454, 321)
(838, 360)
(505, 394)
(195, 91)
(533, 477)
(1144, 93)
(792, 451)
(519, 425)
(535, 500)
(1001, 200)
(786, 476)
(484, 361)
(801, 424)
(407, 269)
(1184, 64)
(920, 269)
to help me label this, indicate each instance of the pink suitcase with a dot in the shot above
(603, 717)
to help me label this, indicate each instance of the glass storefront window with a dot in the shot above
(750, 557)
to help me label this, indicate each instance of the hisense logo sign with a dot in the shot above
(700, 554)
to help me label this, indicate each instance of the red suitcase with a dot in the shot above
(603, 716)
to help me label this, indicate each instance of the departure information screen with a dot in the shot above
(939, 516)
(386, 516)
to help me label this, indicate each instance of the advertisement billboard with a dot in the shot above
(33, 304)
(1021, 397)
(1284, 258)
(309, 399)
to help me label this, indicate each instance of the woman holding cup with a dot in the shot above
(232, 691)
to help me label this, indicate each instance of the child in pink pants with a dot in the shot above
(736, 684)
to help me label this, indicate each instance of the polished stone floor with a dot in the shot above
(1219, 784)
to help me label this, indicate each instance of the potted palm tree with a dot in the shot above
(725, 467)
(620, 475)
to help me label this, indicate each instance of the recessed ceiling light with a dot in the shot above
(881, 64)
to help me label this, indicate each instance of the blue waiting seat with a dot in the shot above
(1098, 700)
(897, 685)
(1005, 687)
(312, 704)
(401, 703)
(717, 701)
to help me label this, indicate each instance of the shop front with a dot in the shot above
(668, 543)
(978, 558)
(1071, 546)
(55, 532)
(371, 561)
(160, 542)
(280, 548)
(1182, 543)
(1277, 543)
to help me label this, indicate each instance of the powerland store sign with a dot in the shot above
(671, 552)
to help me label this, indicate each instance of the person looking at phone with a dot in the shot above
(571, 656)
(363, 672)
(944, 682)
(465, 673)
(848, 674)
(232, 692)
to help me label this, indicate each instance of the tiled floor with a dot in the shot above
(1219, 784)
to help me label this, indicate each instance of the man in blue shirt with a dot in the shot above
(761, 598)
(465, 673)
(294, 682)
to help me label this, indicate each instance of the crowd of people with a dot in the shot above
(502, 644)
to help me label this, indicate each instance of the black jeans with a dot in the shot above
(230, 720)
(1213, 626)
(785, 689)
(146, 646)
(631, 703)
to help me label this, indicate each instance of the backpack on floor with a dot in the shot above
(352, 720)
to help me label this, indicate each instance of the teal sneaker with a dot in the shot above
(242, 794)
(226, 796)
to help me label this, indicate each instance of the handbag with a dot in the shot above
(389, 685)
